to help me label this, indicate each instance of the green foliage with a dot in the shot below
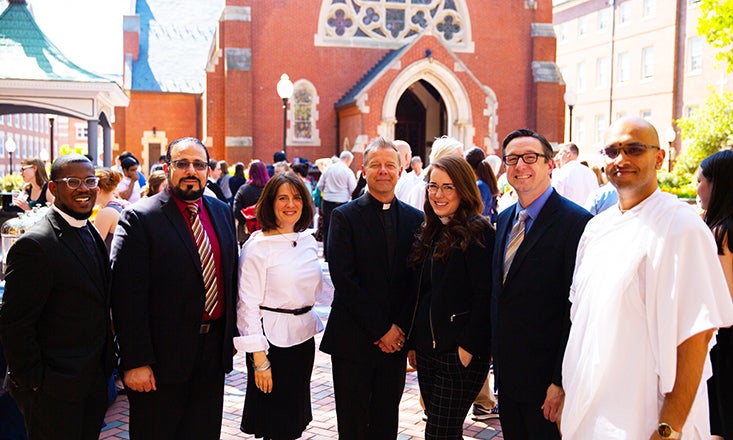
(708, 130)
(12, 182)
(716, 24)
(683, 186)
(66, 149)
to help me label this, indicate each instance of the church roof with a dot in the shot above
(370, 76)
(27, 54)
(175, 39)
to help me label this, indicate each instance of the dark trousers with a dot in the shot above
(50, 418)
(525, 421)
(188, 410)
(448, 390)
(368, 394)
(326, 209)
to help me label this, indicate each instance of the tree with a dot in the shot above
(709, 129)
(716, 24)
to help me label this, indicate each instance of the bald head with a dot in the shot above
(631, 128)
(405, 152)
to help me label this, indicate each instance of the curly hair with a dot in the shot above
(108, 179)
(467, 225)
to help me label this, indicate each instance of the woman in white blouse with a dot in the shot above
(279, 278)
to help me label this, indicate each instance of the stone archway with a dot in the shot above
(454, 95)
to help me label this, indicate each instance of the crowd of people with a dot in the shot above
(588, 303)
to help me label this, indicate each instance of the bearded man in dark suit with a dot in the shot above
(54, 321)
(174, 265)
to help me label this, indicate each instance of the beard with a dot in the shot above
(186, 191)
(74, 214)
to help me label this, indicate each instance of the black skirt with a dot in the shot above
(286, 411)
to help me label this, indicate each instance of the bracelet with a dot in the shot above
(264, 367)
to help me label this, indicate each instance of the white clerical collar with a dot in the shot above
(74, 223)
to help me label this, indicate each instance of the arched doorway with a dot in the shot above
(421, 117)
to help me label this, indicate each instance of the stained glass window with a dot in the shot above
(303, 114)
(393, 23)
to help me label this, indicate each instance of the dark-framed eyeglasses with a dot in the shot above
(634, 149)
(446, 188)
(528, 158)
(183, 164)
(75, 182)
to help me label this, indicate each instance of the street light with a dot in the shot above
(51, 120)
(10, 147)
(285, 91)
(670, 135)
(570, 99)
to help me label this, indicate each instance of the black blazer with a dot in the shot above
(368, 297)
(158, 290)
(54, 322)
(460, 298)
(531, 311)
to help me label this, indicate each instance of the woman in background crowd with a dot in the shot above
(237, 179)
(449, 337)
(714, 188)
(155, 183)
(279, 279)
(109, 204)
(248, 194)
(35, 192)
(223, 181)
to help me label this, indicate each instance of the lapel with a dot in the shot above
(374, 231)
(540, 225)
(69, 237)
(170, 209)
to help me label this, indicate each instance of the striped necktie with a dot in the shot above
(516, 236)
(208, 266)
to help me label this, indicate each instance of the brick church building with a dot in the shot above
(407, 69)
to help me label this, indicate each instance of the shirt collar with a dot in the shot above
(536, 206)
(183, 205)
(379, 205)
(74, 223)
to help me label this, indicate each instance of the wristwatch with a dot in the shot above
(666, 431)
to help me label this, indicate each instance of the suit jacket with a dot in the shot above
(158, 289)
(530, 310)
(54, 322)
(459, 298)
(369, 296)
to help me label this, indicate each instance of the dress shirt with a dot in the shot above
(574, 181)
(533, 210)
(275, 274)
(337, 183)
(74, 223)
(601, 199)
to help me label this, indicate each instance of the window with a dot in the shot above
(647, 62)
(2, 144)
(650, 8)
(582, 26)
(602, 72)
(580, 79)
(646, 115)
(81, 130)
(623, 67)
(694, 49)
(562, 30)
(36, 117)
(604, 18)
(624, 13)
(304, 114)
(17, 119)
(23, 120)
(2, 119)
(620, 115)
(579, 129)
(23, 147)
(600, 127)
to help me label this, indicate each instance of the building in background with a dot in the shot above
(413, 69)
(633, 58)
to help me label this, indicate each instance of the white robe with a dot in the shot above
(645, 281)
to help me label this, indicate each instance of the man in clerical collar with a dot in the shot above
(369, 241)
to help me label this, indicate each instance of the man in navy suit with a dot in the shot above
(534, 257)
(175, 321)
(370, 239)
(54, 322)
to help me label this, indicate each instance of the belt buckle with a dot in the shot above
(204, 328)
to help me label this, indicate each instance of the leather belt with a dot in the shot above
(206, 327)
(295, 312)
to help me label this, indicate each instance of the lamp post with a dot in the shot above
(670, 135)
(570, 98)
(10, 147)
(285, 91)
(51, 120)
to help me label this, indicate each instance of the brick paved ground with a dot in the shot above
(323, 425)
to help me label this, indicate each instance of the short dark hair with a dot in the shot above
(213, 164)
(526, 132)
(128, 162)
(265, 209)
(59, 163)
(301, 169)
(184, 139)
